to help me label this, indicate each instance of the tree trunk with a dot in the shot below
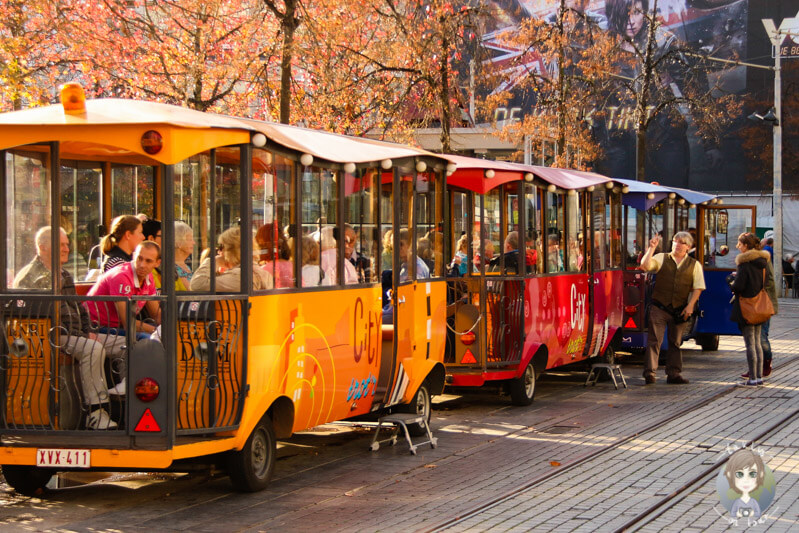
(289, 25)
(446, 136)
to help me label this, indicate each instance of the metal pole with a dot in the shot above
(774, 34)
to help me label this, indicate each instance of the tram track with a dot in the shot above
(462, 517)
(677, 495)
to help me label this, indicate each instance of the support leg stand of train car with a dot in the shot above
(612, 370)
(403, 421)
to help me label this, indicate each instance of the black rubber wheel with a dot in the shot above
(610, 356)
(27, 480)
(421, 404)
(708, 342)
(522, 389)
(251, 468)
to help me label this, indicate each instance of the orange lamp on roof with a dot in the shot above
(73, 99)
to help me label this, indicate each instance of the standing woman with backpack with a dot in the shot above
(750, 279)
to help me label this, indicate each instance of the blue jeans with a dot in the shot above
(764, 342)
(754, 350)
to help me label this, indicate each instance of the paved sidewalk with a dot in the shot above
(488, 448)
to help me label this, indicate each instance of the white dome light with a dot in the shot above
(306, 160)
(421, 166)
(386, 164)
(349, 168)
(259, 140)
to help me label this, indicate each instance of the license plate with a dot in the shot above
(63, 458)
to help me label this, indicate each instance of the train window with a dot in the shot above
(411, 265)
(272, 215)
(80, 212)
(360, 229)
(228, 182)
(614, 227)
(555, 234)
(510, 235)
(131, 189)
(386, 218)
(490, 229)
(430, 238)
(574, 239)
(319, 219)
(27, 208)
(722, 228)
(637, 240)
(532, 233)
(460, 245)
(192, 196)
(600, 243)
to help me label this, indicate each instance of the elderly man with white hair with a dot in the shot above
(82, 344)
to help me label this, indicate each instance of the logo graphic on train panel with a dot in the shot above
(304, 374)
(746, 487)
(577, 309)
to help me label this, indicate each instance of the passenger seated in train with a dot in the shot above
(387, 257)
(118, 246)
(151, 228)
(184, 247)
(554, 254)
(133, 278)
(510, 253)
(312, 274)
(274, 255)
(422, 272)
(228, 267)
(459, 265)
(85, 346)
(359, 262)
(489, 251)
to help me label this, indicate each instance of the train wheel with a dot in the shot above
(421, 404)
(610, 356)
(522, 389)
(27, 480)
(251, 468)
(708, 342)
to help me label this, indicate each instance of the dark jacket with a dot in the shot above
(752, 269)
(74, 317)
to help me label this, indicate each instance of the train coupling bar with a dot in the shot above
(400, 421)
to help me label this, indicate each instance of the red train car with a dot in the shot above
(535, 272)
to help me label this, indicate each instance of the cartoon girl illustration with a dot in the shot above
(745, 472)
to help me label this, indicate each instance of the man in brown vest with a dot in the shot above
(678, 284)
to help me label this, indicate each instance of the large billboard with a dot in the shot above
(676, 153)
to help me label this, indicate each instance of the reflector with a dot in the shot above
(468, 358)
(147, 423)
(630, 323)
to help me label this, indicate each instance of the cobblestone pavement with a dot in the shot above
(327, 480)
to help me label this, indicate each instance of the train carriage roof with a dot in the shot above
(471, 174)
(639, 192)
(111, 112)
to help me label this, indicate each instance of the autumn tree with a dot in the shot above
(667, 84)
(31, 57)
(418, 61)
(202, 54)
(563, 64)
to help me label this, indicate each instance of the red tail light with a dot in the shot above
(147, 389)
(630, 309)
(468, 338)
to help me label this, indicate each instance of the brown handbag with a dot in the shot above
(758, 309)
